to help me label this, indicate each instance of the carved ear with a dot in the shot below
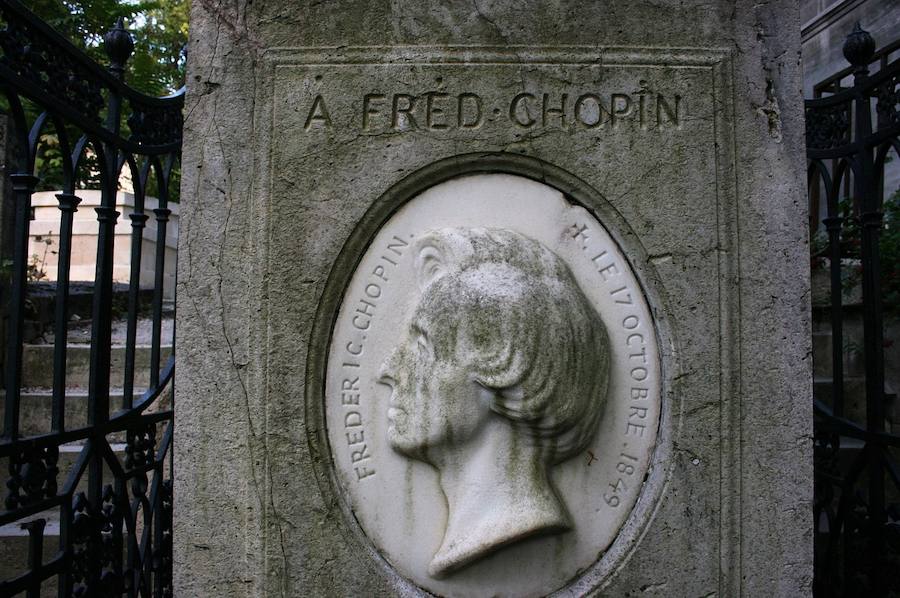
(430, 265)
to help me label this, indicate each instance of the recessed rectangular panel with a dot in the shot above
(626, 135)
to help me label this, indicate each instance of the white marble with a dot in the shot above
(493, 389)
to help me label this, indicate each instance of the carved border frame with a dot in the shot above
(719, 66)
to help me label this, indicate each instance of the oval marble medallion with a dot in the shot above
(492, 393)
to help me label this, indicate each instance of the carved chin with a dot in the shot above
(402, 433)
(401, 442)
(398, 439)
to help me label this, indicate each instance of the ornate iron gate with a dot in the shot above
(851, 134)
(114, 511)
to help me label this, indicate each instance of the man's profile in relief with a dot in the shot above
(500, 374)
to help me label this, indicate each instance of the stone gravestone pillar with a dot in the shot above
(493, 298)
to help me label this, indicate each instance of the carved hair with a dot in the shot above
(511, 309)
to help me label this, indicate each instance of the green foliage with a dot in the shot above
(49, 162)
(160, 30)
(159, 27)
(157, 67)
(888, 245)
(851, 239)
(35, 269)
(890, 252)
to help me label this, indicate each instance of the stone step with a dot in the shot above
(35, 408)
(37, 365)
(68, 455)
(14, 539)
(79, 331)
(14, 549)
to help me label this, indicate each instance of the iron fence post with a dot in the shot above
(23, 187)
(859, 49)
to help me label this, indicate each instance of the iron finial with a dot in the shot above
(859, 47)
(119, 45)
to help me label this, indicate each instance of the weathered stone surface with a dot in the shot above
(492, 389)
(701, 174)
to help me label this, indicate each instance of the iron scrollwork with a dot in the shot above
(35, 57)
(62, 74)
(96, 546)
(155, 125)
(887, 102)
(162, 556)
(140, 443)
(827, 127)
(32, 476)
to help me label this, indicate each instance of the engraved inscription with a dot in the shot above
(318, 114)
(437, 110)
(354, 350)
(635, 347)
(431, 110)
(592, 111)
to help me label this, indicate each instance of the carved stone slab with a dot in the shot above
(493, 388)
(394, 206)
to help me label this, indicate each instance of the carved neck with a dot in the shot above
(498, 492)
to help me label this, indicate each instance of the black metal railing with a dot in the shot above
(113, 502)
(852, 134)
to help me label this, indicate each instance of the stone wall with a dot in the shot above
(44, 239)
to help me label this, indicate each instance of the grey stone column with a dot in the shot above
(310, 125)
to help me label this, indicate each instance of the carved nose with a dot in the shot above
(387, 373)
(385, 377)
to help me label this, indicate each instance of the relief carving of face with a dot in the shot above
(500, 374)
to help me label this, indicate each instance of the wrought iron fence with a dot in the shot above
(113, 503)
(852, 140)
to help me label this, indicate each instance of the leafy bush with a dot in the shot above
(851, 249)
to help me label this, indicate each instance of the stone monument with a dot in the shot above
(493, 299)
